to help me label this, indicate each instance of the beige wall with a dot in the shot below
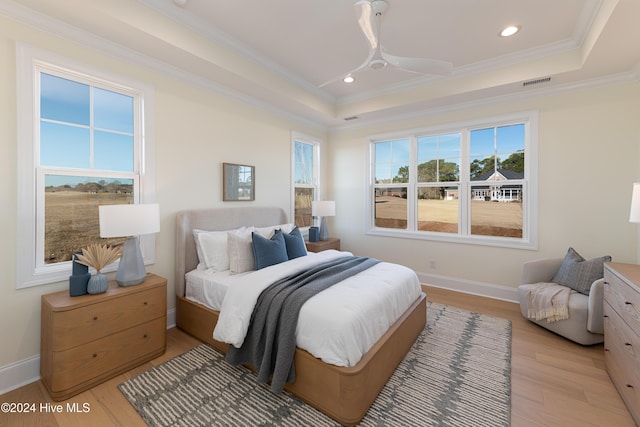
(196, 130)
(588, 157)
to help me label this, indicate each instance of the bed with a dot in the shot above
(342, 392)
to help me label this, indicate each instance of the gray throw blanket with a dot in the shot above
(270, 343)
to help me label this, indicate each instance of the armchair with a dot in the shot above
(585, 324)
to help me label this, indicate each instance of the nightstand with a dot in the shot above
(89, 339)
(323, 245)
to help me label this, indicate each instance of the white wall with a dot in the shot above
(196, 130)
(588, 157)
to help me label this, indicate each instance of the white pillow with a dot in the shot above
(201, 263)
(241, 257)
(267, 232)
(212, 249)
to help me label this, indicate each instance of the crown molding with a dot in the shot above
(615, 79)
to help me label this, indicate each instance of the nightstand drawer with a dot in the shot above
(112, 353)
(624, 299)
(622, 356)
(82, 325)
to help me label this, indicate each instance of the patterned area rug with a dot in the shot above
(458, 373)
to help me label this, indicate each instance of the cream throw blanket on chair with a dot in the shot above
(548, 301)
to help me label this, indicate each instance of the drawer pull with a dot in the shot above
(144, 336)
(628, 303)
(95, 317)
(628, 344)
(145, 303)
(628, 385)
(95, 354)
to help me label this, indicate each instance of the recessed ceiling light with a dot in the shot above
(509, 31)
(349, 79)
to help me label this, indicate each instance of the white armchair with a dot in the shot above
(585, 324)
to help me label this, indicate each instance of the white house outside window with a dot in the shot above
(81, 145)
(470, 183)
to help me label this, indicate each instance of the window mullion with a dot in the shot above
(412, 188)
(464, 188)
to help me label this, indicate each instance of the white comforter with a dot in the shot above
(338, 325)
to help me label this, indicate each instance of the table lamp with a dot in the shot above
(129, 221)
(323, 209)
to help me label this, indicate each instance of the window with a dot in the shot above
(470, 182)
(306, 155)
(81, 145)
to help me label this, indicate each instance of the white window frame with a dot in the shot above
(30, 61)
(530, 184)
(299, 137)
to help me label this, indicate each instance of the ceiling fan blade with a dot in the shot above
(419, 65)
(369, 30)
(363, 67)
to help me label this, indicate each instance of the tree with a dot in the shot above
(403, 175)
(514, 162)
(480, 167)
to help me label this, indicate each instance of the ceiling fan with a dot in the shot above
(378, 58)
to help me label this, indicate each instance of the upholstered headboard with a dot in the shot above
(215, 220)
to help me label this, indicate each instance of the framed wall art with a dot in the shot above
(238, 182)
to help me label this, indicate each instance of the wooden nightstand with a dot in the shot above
(323, 245)
(91, 338)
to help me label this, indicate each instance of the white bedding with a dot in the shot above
(338, 325)
(208, 287)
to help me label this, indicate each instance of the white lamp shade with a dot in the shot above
(129, 220)
(323, 208)
(634, 215)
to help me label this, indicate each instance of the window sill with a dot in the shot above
(452, 238)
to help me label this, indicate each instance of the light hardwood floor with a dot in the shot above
(554, 382)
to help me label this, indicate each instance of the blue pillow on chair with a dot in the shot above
(295, 244)
(269, 251)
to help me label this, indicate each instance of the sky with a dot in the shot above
(85, 127)
(501, 141)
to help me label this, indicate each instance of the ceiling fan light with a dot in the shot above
(509, 31)
(349, 79)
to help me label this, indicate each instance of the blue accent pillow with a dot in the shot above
(295, 244)
(269, 251)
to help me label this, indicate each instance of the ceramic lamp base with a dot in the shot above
(324, 229)
(131, 269)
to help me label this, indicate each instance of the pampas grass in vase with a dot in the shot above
(98, 257)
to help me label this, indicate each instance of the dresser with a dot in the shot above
(323, 245)
(90, 338)
(621, 329)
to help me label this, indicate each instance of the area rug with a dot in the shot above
(458, 373)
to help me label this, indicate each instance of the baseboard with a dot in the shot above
(18, 374)
(171, 318)
(503, 293)
(27, 371)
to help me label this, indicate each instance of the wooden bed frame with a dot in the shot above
(344, 394)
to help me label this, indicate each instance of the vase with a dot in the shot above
(79, 277)
(98, 283)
